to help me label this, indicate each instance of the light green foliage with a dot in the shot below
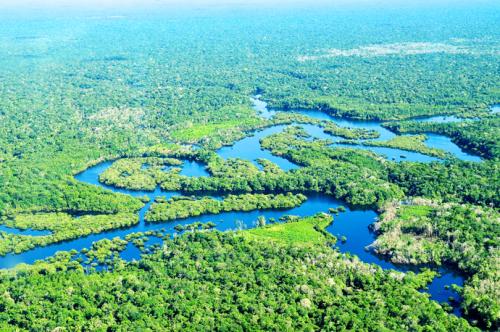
(479, 136)
(237, 118)
(139, 173)
(231, 168)
(466, 236)
(409, 143)
(63, 227)
(230, 126)
(269, 167)
(78, 89)
(304, 232)
(105, 249)
(328, 126)
(287, 287)
(183, 207)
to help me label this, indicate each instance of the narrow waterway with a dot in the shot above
(433, 140)
(352, 224)
(32, 232)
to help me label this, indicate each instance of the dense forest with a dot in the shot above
(480, 136)
(151, 92)
(464, 235)
(247, 282)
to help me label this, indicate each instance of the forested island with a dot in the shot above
(250, 168)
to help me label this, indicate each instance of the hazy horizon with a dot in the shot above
(122, 4)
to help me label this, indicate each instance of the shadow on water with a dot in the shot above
(261, 107)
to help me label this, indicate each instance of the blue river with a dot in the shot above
(351, 224)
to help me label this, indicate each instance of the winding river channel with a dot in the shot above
(353, 224)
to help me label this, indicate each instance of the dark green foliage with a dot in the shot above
(466, 236)
(85, 98)
(214, 281)
(77, 89)
(62, 227)
(183, 207)
(479, 136)
(454, 181)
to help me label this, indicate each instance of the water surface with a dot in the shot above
(352, 224)
(29, 231)
(433, 140)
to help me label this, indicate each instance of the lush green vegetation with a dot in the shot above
(479, 136)
(302, 232)
(285, 287)
(104, 251)
(62, 226)
(131, 173)
(466, 236)
(328, 126)
(408, 143)
(349, 133)
(78, 89)
(476, 183)
(195, 226)
(358, 177)
(183, 207)
(230, 126)
(58, 115)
